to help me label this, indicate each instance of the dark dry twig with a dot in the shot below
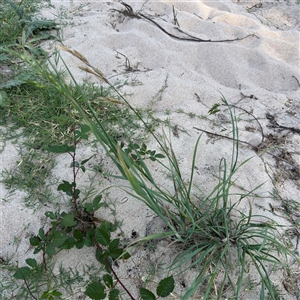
(129, 12)
(249, 113)
(190, 37)
(255, 148)
(27, 286)
(275, 124)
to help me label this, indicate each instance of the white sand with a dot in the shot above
(258, 73)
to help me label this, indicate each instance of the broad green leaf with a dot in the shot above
(50, 249)
(126, 255)
(146, 294)
(80, 244)
(68, 244)
(134, 146)
(97, 200)
(101, 255)
(56, 293)
(106, 226)
(85, 128)
(77, 234)
(114, 244)
(89, 207)
(90, 237)
(116, 253)
(34, 241)
(31, 262)
(66, 187)
(22, 273)
(95, 290)
(165, 287)
(159, 155)
(108, 280)
(113, 294)
(68, 220)
(59, 238)
(102, 237)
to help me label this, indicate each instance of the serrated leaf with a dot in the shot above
(50, 249)
(102, 237)
(90, 236)
(165, 287)
(22, 273)
(108, 227)
(116, 253)
(89, 207)
(85, 128)
(66, 187)
(113, 294)
(59, 238)
(101, 255)
(80, 244)
(146, 294)
(68, 244)
(61, 149)
(114, 244)
(95, 290)
(108, 280)
(68, 220)
(78, 235)
(31, 262)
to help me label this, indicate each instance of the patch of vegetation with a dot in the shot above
(212, 235)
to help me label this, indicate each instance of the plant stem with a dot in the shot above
(115, 274)
(74, 171)
(27, 286)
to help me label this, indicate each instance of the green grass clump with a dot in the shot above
(214, 236)
(46, 116)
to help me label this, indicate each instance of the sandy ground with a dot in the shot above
(180, 65)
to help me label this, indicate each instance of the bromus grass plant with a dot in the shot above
(212, 234)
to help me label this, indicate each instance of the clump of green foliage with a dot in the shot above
(216, 237)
